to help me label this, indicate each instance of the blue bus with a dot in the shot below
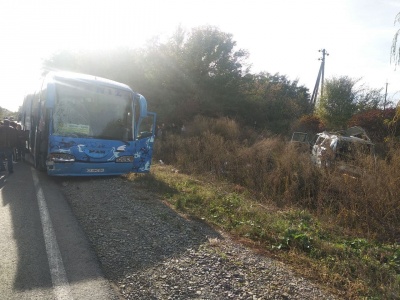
(83, 125)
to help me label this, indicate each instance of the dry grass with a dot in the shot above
(275, 170)
(348, 226)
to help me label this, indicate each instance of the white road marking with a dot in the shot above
(58, 275)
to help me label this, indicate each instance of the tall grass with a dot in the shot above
(276, 171)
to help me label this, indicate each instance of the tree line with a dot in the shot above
(202, 72)
(7, 114)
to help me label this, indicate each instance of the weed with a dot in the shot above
(265, 190)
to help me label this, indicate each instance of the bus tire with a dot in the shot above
(39, 156)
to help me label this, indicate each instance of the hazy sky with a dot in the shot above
(281, 35)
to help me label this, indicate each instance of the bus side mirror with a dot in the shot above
(143, 106)
(51, 95)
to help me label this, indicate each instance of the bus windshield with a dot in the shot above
(91, 111)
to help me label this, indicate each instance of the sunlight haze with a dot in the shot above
(280, 35)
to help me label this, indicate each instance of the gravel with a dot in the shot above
(149, 251)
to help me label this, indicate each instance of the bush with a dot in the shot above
(275, 171)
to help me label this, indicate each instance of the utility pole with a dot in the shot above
(320, 78)
(384, 103)
(323, 68)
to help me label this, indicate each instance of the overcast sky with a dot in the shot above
(282, 36)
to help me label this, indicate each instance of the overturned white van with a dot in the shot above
(341, 149)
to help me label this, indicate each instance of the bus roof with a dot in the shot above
(91, 79)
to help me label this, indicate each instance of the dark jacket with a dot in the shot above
(21, 138)
(8, 136)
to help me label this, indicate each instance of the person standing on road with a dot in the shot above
(8, 140)
(14, 150)
(21, 138)
(20, 141)
(2, 146)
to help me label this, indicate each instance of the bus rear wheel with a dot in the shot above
(40, 161)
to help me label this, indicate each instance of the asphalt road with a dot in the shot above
(44, 253)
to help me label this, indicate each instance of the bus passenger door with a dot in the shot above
(144, 133)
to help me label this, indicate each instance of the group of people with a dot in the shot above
(11, 144)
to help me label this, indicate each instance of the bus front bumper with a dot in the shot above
(91, 169)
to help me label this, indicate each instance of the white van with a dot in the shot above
(340, 149)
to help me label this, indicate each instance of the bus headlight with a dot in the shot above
(61, 157)
(124, 159)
